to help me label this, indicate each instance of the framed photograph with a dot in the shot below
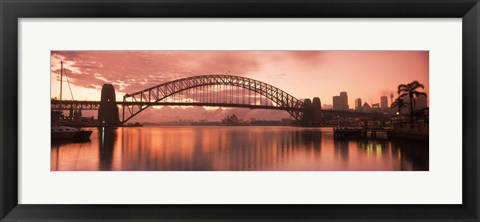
(226, 110)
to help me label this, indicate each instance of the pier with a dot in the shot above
(360, 133)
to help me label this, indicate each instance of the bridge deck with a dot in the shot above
(94, 105)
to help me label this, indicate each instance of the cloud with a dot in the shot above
(131, 71)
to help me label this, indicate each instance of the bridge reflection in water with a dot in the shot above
(234, 148)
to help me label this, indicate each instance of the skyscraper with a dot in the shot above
(340, 102)
(344, 97)
(337, 103)
(358, 105)
(406, 110)
(384, 103)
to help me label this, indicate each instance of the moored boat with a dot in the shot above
(69, 133)
(60, 132)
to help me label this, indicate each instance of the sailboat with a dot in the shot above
(60, 132)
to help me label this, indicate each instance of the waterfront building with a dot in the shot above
(376, 108)
(366, 108)
(358, 105)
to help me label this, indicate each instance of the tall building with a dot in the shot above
(337, 103)
(340, 102)
(384, 103)
(358, 105)
(344, 97)
(406, 110)
(420, 102)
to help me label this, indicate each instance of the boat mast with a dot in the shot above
(61, 87)
(61, 81)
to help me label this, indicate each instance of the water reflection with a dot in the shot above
(341, 149)
(411, 158)
(234, 148)
(106, 144)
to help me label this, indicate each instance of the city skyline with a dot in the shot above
(383, 101)
(362, 74)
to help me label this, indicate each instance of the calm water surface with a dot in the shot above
(234, 148)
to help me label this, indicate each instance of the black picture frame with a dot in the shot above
(11, 11)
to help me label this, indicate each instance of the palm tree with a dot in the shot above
(410, 89)
(400, 103)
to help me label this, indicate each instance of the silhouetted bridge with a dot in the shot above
(207, 90)
(95, 105)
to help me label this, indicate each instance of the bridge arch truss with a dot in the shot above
(213, 90)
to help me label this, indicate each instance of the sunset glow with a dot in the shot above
(304, 74)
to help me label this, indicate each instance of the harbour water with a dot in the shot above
(234, 148)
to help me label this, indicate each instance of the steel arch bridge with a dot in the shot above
(213, 90)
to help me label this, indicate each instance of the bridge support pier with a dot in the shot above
(108, 111)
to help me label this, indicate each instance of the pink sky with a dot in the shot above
(303, 74)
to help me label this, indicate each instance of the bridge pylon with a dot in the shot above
(312, 113)
(108, 111)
